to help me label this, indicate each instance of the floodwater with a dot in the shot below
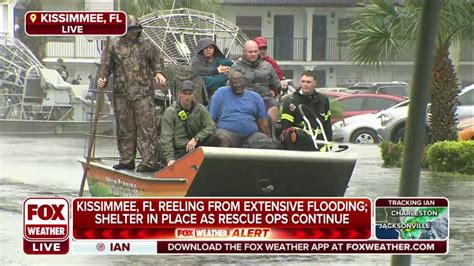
(47, 166)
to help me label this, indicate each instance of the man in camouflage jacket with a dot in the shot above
(134, 62)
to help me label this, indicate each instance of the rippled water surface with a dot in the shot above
(47, 166)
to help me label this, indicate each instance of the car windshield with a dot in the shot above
(394, 90)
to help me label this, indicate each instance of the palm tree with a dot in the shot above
(143, 7)
(384, 29)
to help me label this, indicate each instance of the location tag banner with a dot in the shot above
(75, 23)
(414, 219)
(46, 226)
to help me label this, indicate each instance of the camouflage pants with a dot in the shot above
(136, 128)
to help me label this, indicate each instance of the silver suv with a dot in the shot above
(393, 121)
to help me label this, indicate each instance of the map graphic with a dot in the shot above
(411, 223)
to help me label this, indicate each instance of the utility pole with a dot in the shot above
(416, 123)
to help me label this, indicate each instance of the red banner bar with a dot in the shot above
(269, 218)
(213, 233)
(45, 247)
(75, 23)
(411, 202)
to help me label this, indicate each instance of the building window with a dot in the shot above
(378, 104)
(4, 18)
(343, 24)
(251, 26)
(352, 104)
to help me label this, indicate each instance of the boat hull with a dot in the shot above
(230, 172)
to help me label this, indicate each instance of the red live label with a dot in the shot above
(45, 247)
(46, 219)
(75, 23)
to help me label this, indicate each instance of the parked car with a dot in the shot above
(391, 88)
(466, 129)
(392, 126)
(361, 129)
(332, 95)
(465, 107)
(357, 104)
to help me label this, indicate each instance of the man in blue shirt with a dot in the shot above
(239, 114)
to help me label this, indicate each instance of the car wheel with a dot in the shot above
(364, 136)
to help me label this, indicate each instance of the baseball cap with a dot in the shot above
(187, 85)
(261, 42)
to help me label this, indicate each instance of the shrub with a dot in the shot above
(392, 154)
(337, 110)
(424, 161)
(452, 156)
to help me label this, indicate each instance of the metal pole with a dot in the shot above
(100, 101)
(416, 123)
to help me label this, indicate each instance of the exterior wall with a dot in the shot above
(339, 71)
(61, 5)
(80, 53)
(7, 17)
(228, 12)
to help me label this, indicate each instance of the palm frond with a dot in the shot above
(374, 37)
(456, 20)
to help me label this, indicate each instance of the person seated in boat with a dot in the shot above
(211, 64)
(185, 125)
(263, 49)
(61, 68)
(239, 113)
(260, 77)
(296, 133)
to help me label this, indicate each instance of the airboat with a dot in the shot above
(35, 99)
(213, 171)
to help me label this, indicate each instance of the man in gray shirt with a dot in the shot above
(260, 77)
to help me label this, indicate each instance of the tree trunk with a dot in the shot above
(37, 44)
(443, 97)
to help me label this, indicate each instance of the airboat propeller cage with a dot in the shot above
(18, 63)
(177, 31)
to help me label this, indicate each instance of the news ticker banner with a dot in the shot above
(75, 23)
(211, 225)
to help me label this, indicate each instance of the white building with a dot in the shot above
(79, 53)
(302, 35)
(7, 18)
(306, 35)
